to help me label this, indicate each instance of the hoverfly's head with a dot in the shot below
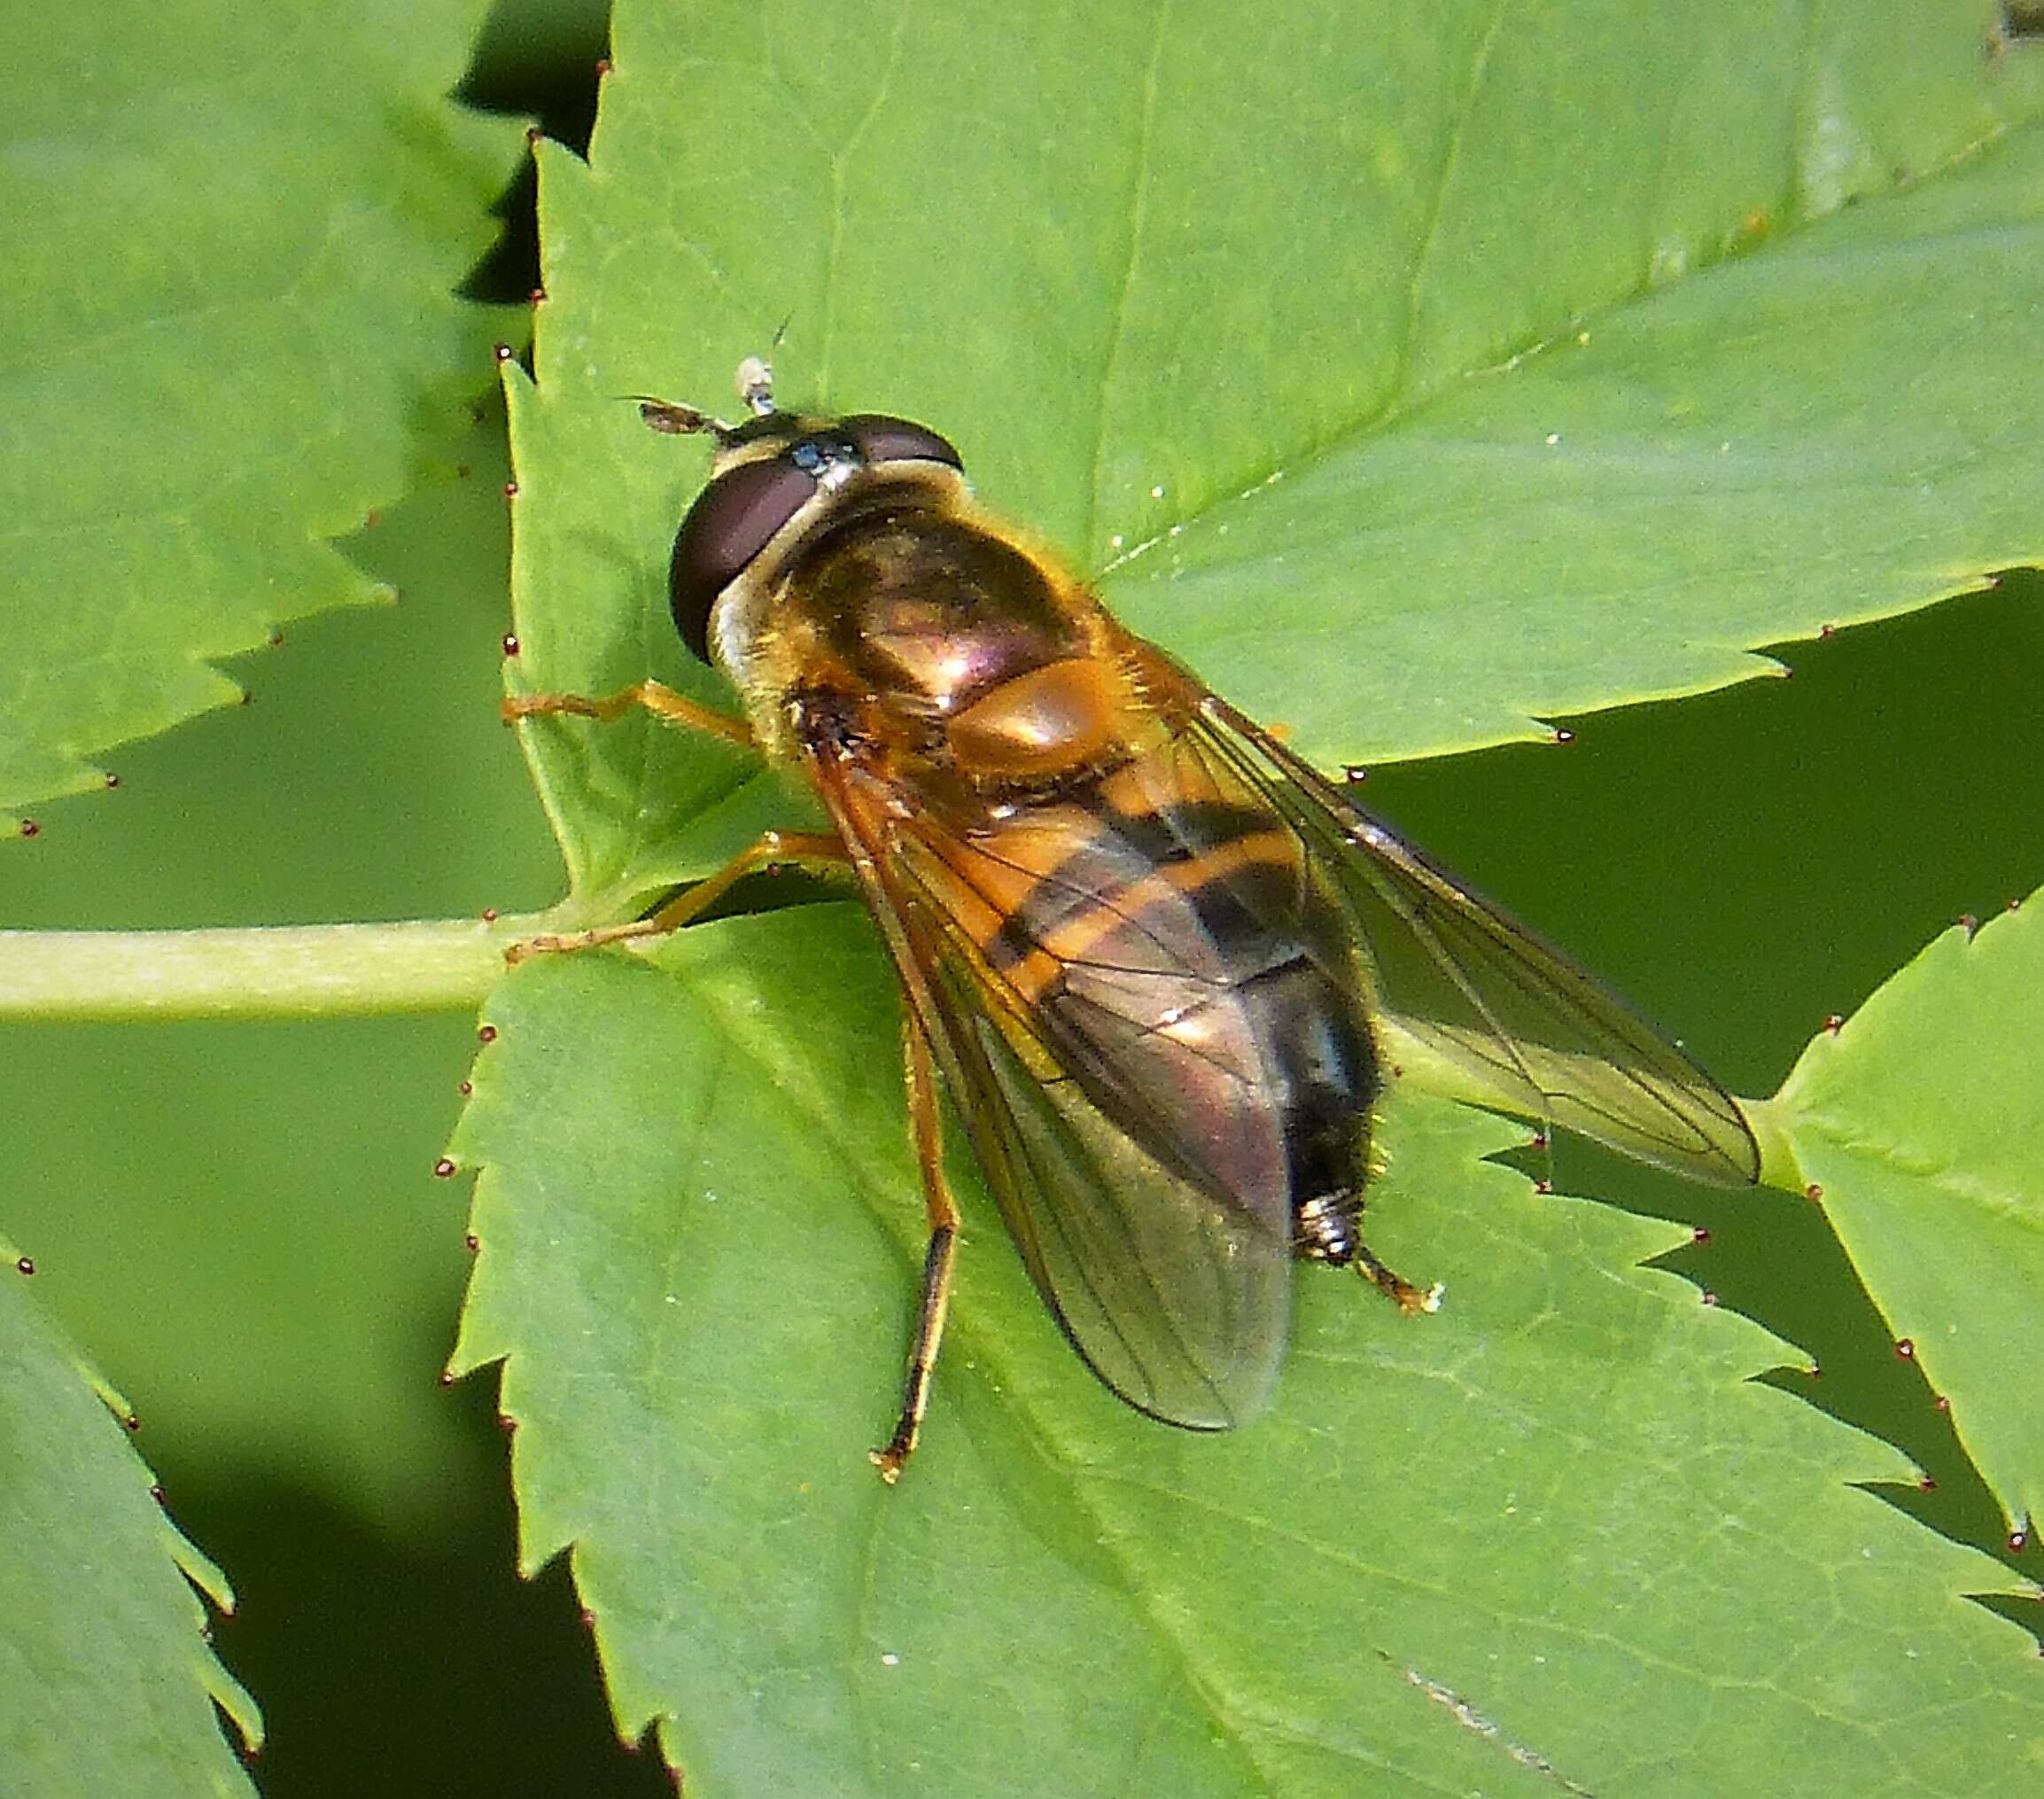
(773, 478)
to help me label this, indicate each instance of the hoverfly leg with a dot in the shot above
(919, 1078)
(651, 695)
(773, 848)
(1409, 1299)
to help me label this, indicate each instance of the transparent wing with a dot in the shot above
(1176, 1293)
(1512, 1022)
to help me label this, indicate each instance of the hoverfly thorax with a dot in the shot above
(840, 566)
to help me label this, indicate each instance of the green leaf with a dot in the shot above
(1271, 318)
(232, 335)
(1921, 1121)
(1820, 431)
(1277, 286)
(109, 1684)
(1561, 1510)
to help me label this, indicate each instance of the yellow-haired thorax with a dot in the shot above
(966, 661)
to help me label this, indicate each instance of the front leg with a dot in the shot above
(651, 695)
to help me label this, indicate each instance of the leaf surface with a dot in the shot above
(1922, 1123)
(1561, 1506)
(1267, 320)
(109, 1684)
(231, 245)
(1280, 323)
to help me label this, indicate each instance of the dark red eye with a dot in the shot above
(733, 520)
(884, 440)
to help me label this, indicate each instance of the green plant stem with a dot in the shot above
(424, 965)
(269, 972)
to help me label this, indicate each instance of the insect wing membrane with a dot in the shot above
(1178, 1297)
(1518, 1025)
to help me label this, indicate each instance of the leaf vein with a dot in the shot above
(1451, 157)
(1138, 185)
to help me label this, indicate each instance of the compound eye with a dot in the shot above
(733, 520)
(884, 440)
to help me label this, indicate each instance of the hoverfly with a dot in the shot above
(1150, 951)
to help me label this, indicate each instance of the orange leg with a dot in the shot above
(662, 702)
(926, 1128)
(675, 709)
(1409, 1299)
(771, 849)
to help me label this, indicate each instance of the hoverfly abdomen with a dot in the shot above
(1326, 1086)
(1186, 963)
